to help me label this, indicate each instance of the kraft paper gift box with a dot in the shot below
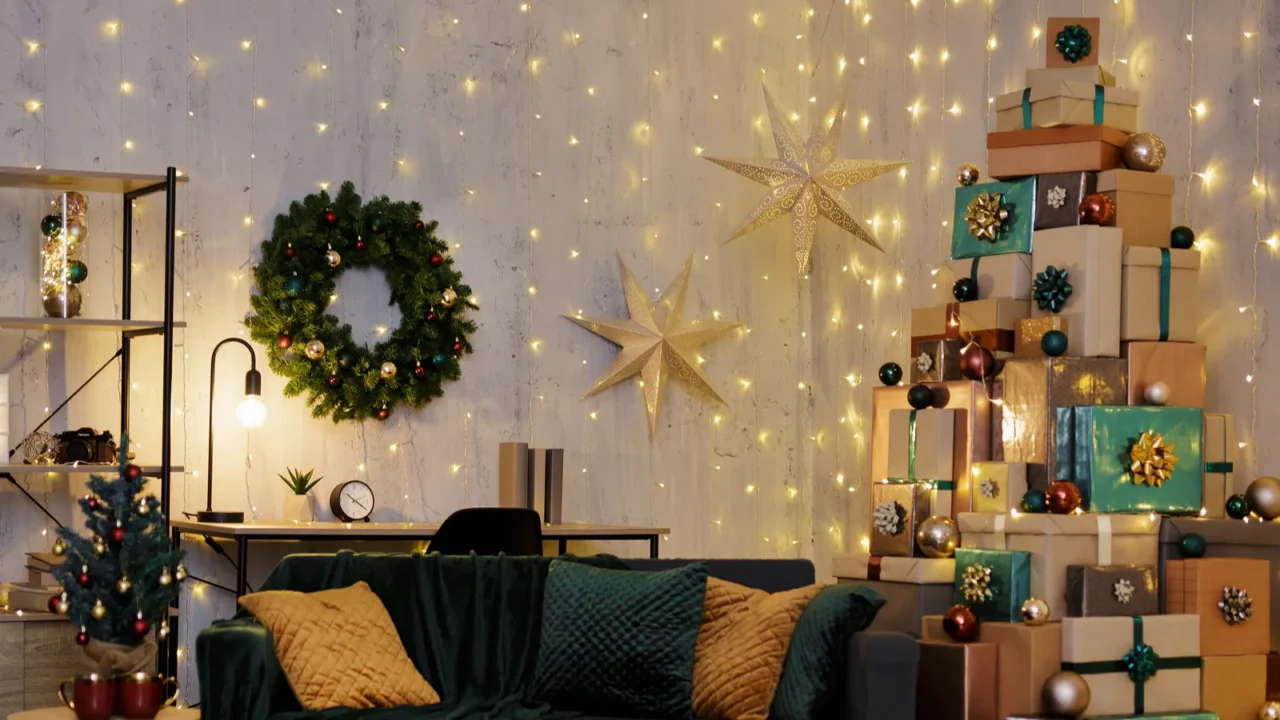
(1197, 587)
(1165, 649)
(1055, 104)
(1053, 58)
(1032, 391)
(914, 570)
(1018, 197)
(896, 511)
(1179, 365)
(972, 440)
(1234, 687)
(1090, 74)
(995, 595)
(1092, 256)
(957, 682)
(1007, 275)
(1074, 148)
(1112, 590)
(1097, 448)
(1219, 462)
(1058, 197)
(1160, 299)
(1026, 340)
(990, 323)
(997, 487)
(1026, 657)
(922, 452)
(1055, 542)
(936, 361)
(1144, 205)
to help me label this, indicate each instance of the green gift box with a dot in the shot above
(993, 583)
(1017, 198)
(1132, 459)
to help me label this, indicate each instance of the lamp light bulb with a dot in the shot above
(251, 412)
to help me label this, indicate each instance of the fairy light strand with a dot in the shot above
(1259, 204)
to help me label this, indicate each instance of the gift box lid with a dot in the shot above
(1135, 181)
(1090, 74)
(1048, 524)
(1153, 257)
(1057, 136)
(1068, 89)
(1099, 639)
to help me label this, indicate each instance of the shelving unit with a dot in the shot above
(136, 328)
(147, 470)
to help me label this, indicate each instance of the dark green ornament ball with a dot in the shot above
(346, 359)
(378, 224)
(920, 396)
(1054, 343)
(1182, 237)
(293, 286)
(1237, 507)
(77, 272)
(891, 373)
(51, 225)
(965, 290)
(1035, 501)
(1192, 546)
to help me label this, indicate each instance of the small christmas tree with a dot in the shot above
(119, 581)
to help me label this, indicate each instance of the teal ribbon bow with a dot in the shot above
(911, 462)
(1141, 664)
(1099, 106)
(1074, 43)
(1052, 289)
(1219, 467)
(1166, 270)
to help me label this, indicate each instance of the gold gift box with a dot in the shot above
(1026, 342)
(1219, 462)
(1195, 587)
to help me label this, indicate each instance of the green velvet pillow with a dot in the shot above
(815, 668)
(619, 642)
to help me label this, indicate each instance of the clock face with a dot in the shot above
(355, 499)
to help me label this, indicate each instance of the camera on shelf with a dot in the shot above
(86, 446)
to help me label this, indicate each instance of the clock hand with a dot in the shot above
(366, 507)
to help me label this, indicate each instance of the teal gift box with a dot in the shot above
(1018, 197)
(993, 583)
(1132, 459)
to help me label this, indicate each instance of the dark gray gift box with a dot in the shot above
(1092, 591)
(1062, 209)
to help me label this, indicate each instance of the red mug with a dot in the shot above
(92, 696)
(140, 696)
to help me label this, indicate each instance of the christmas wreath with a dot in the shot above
(309, 249)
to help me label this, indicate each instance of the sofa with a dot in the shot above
(478, 644)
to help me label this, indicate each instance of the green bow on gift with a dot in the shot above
(1141, 664)
(1075, 43)
(1052, 289)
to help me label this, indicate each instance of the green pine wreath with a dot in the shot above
(309, 249)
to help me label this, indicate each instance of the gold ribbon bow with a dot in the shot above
(1152, 460)
(975, 584)
(986, 215)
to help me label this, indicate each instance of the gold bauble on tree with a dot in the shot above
(59, 547)
(1264, 497)
(99, 547)
(123, 585)
(314, 350)
(448, 297)
(387, 371)
(332, 257)
(165, 578)
(179, 573)
(99, 610)
(1269, 711)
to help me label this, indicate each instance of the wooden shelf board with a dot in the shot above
(149, 470)
(104, 324)
(78, 181)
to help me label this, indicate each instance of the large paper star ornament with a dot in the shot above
(656, 341)
(805, 181)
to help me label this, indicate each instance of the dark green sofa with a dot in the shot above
(471, 626)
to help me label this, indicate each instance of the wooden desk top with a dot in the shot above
(374, 530)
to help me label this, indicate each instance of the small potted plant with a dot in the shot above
(300, 504)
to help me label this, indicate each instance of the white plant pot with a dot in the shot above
(299, 508)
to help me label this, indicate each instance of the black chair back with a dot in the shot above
(489, 531)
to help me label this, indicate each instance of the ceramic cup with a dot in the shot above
(92, 696)
(140, 696)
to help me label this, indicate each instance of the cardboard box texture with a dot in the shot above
(1026, 657)
(936, 361)
(896, 511)
(1179, 365)
(1018, 197)
(1144, 205)
(1026, 341)
(990, 323)
(1219, 462)
(957, 682)
(998, 487)
(1234, 687)
(905, 603)
(1090, 645)
(1092, 257)
(1091, 74)
(916, 570)
(1198, 586)
(1112, 590)
(1055, 542)
(1074, 148)
(1067, 103)
(1058, 197)
(1004, 584)
(1053, 58)
(1007, 275)
(922, 451)
(1160, 297)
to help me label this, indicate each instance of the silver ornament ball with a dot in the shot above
(1065, 695)
(387, 371)
(1144, 151)
(1264, 497)
(314, 350)
(1157, 393)
(1035, 612)
(938, 536)
(968, 174)
(1269, 711)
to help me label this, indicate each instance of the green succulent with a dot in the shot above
(299, 482)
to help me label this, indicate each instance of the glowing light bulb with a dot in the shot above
(246, 44)
(1199, 109)
(251, 412)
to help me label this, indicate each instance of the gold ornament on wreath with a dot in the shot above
(1152, 460)
(975, 584)
(986, 215)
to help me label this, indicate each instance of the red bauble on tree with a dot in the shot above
(419, 371)
(360, 244)
(457, 347)
(133, 472)
(140, 627)
(94, 503)
(53, 603)
(117, 535)
(288, 251)
(437, 259)
(82, 638)
(83, 578)
(418, 225)
(284, 341)
(431, 316)
(330, 218)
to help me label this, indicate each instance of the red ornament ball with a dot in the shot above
(94, 503)
(82, 638)
(1063, 497)
(133, 472)
(437, 259)
(141, 628)
(284, 341)
(960, 624)
(360, 245)
(419, 225)
(419, 371)
(431, 316)
(330, 218)
(383, 413)
(457, 347)
(334, 381)
(83, 579)
(1097, 209)
(117, 535)
(288, 251)
(53, 603)
(977, 362)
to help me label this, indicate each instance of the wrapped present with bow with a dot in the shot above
(1112, 590)
(997, 487)
(1143, 204)
(993, 583)
(921, 459)
(989, 323)
(1160, 296)
(1132, 459)
(936, 360)
(1072, 42)
(1219, 462)
(896, 512)
(1135, 666)
(1070, 148)
(994, 218)
(1076, 274)
(1007, 275)
(1066, 102)
(1058, 198)
(1232, 596)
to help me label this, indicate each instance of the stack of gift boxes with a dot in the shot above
(1052, 419)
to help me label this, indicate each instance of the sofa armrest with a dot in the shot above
(240, 676)
(882, 676)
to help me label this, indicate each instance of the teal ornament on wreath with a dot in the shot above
(1052, 289)
(1141, 663)
(1074, 43)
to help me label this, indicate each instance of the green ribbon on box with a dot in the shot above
(1165, 272)
(1099, 106)
(911, 458)
(1141, 664)
(973, 272)
(1219, 467)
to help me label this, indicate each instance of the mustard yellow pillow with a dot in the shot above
(339, 648)
(742, 643)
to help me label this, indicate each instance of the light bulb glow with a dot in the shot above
(251, 412)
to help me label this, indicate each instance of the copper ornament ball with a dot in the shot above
(977, 362)
(1062, 497)
(1264, 497)
(1065, 694)
(1097, 209)
(960, 624)
(1035, 612)
(1144, 151)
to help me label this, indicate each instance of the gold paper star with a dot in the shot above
(805, 181)
(656, 341)
(1152, 460)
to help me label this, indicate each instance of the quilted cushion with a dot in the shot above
(339, 648)
(814, 671)
(741, 645)
(618, 642)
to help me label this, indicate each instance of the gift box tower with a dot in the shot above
(1051, 417)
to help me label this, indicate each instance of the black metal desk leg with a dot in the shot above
(653, 547)
(564, 546)
(242, 565)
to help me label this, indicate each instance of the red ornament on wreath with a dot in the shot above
(419, 225)
(437, 259)
(330, 218)
(360, 244)
(1062, 497)
(83, 578)
(334, 381)
(285, 341)
(383, 413)
(133, 472)
(419, 371)
(93, 503)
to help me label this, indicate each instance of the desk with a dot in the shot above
(266, 531)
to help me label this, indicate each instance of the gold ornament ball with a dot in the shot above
(63, 606)
(143, 507)
(99, 547)
(1264, 497)
(164, 630)
(179, 574)
(1035, 612)
(968, 174)
(938, 536)
(314, 350)
(1144, 151)
(1269, 711)
(123, 585)
(333, 258)
(59, 547)
(165, 578)
(99, 610)
(1065, 695)
(387, 371)
(448, 297)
